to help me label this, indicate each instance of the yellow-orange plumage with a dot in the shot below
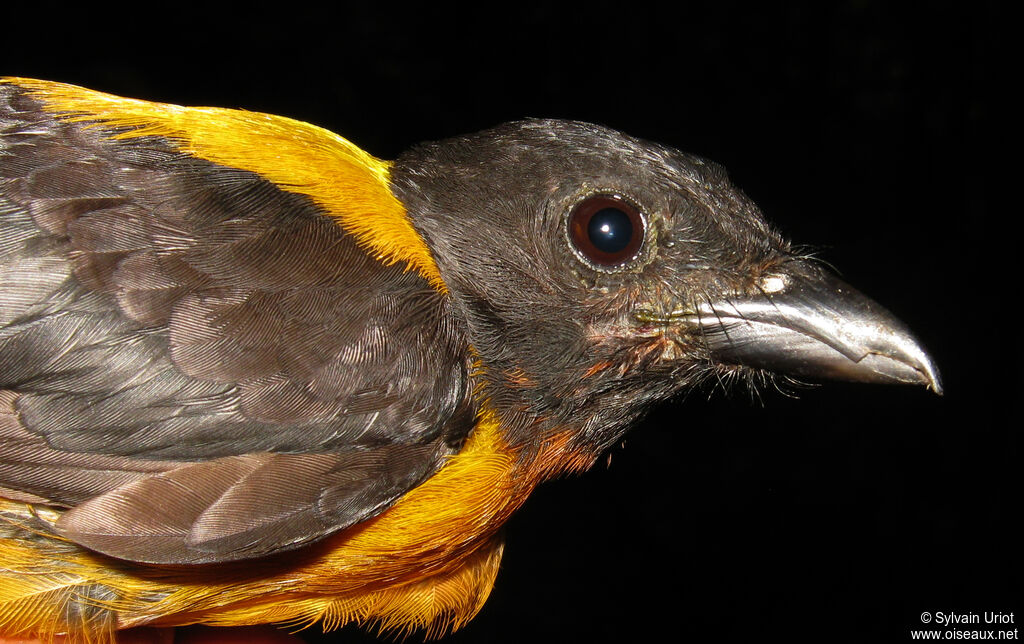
(427, 563)
(347, 182)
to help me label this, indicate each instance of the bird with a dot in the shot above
(250, 373)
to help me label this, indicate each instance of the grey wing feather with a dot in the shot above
(166, 321)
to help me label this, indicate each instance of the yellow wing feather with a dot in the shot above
(349, 184)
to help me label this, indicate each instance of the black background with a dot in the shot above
(863, 128)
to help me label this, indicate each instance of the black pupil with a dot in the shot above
(610, 230)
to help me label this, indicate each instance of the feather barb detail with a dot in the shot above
(350, 185)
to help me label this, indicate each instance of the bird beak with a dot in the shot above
(807, 322)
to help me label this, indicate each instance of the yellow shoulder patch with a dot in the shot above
(349, 184)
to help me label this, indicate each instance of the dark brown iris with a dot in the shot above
(606, 230)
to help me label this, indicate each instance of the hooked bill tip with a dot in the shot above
(813, 324)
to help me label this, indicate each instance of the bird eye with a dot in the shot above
(606, 230)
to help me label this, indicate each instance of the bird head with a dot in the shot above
(597, 274)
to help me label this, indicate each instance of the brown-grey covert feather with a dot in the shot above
(163, 314)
